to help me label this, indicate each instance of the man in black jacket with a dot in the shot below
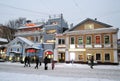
(46, 62)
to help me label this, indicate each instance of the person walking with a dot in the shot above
(46, 62)
(53, 64)
(92, 62)
(26, 61)
(37, 62)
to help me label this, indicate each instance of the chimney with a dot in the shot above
(71, 25)
(95, 19)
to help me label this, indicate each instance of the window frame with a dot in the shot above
(91, 39)
(87, 26)
(79, 57)
(61, 41)
(100, 57)
(105, 40)
(82, 40)
(99, 39)
(73, 41)
(109, 57)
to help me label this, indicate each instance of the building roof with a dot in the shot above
(26, 40)
(101, 30)
(24, 27)
(89, 19)
(3, 40)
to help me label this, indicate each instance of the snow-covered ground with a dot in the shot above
(8, 76)
(4, 76)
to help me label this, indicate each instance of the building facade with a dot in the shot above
(88, 38)
(42, 36)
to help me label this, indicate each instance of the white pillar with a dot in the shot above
(115, 56)
(55, 55)
(66, 56)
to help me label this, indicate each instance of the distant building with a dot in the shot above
(41, 35)
(6, 35)
(88, 38)
(3, 46)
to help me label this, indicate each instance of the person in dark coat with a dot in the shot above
(25, 61)
(46, 62)
(53, 64)
(28, 61)
(92, 62)
(36, 61)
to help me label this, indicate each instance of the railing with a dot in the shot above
(111, 45)
(28, 33)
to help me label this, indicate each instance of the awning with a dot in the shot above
(49, 52)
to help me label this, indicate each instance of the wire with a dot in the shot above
(22, 9)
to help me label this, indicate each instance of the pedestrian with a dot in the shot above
(40, 63)
(46, 62)
(36, 61)
(92, 62)
(26, 61)
(53, 64)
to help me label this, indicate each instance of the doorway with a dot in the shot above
(61, 56)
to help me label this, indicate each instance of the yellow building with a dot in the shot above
(89, 37)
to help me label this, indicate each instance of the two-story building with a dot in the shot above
(41, 36)
(89, 37)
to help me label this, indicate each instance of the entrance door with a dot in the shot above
(61, 57)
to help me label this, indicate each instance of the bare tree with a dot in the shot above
(16, 23)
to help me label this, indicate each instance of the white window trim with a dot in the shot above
(86, 26)
(97, 45)
(82, 39)
(100, 39)
(80, 45)
(109, 39)
(88, 45)
(91, 39)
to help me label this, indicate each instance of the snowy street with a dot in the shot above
(62, 72)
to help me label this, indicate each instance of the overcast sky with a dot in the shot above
(74, 11)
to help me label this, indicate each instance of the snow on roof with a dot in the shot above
(30, 26)
(26, 40)
(3, 40)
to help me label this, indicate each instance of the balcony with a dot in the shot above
(28, 33)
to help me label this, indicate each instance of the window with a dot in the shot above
(107, 39)
(89, 26)
(51, 31)
(80, 57)
(98, 56)
(61, 41)
(72, 40)
(80, 40)
(88, 40)
(18, 49)
(97, 39)
(107, 56)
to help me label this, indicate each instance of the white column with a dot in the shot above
(115, 56)
(67, 42)
(115, 41)
(55, 55)
(66, 56)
